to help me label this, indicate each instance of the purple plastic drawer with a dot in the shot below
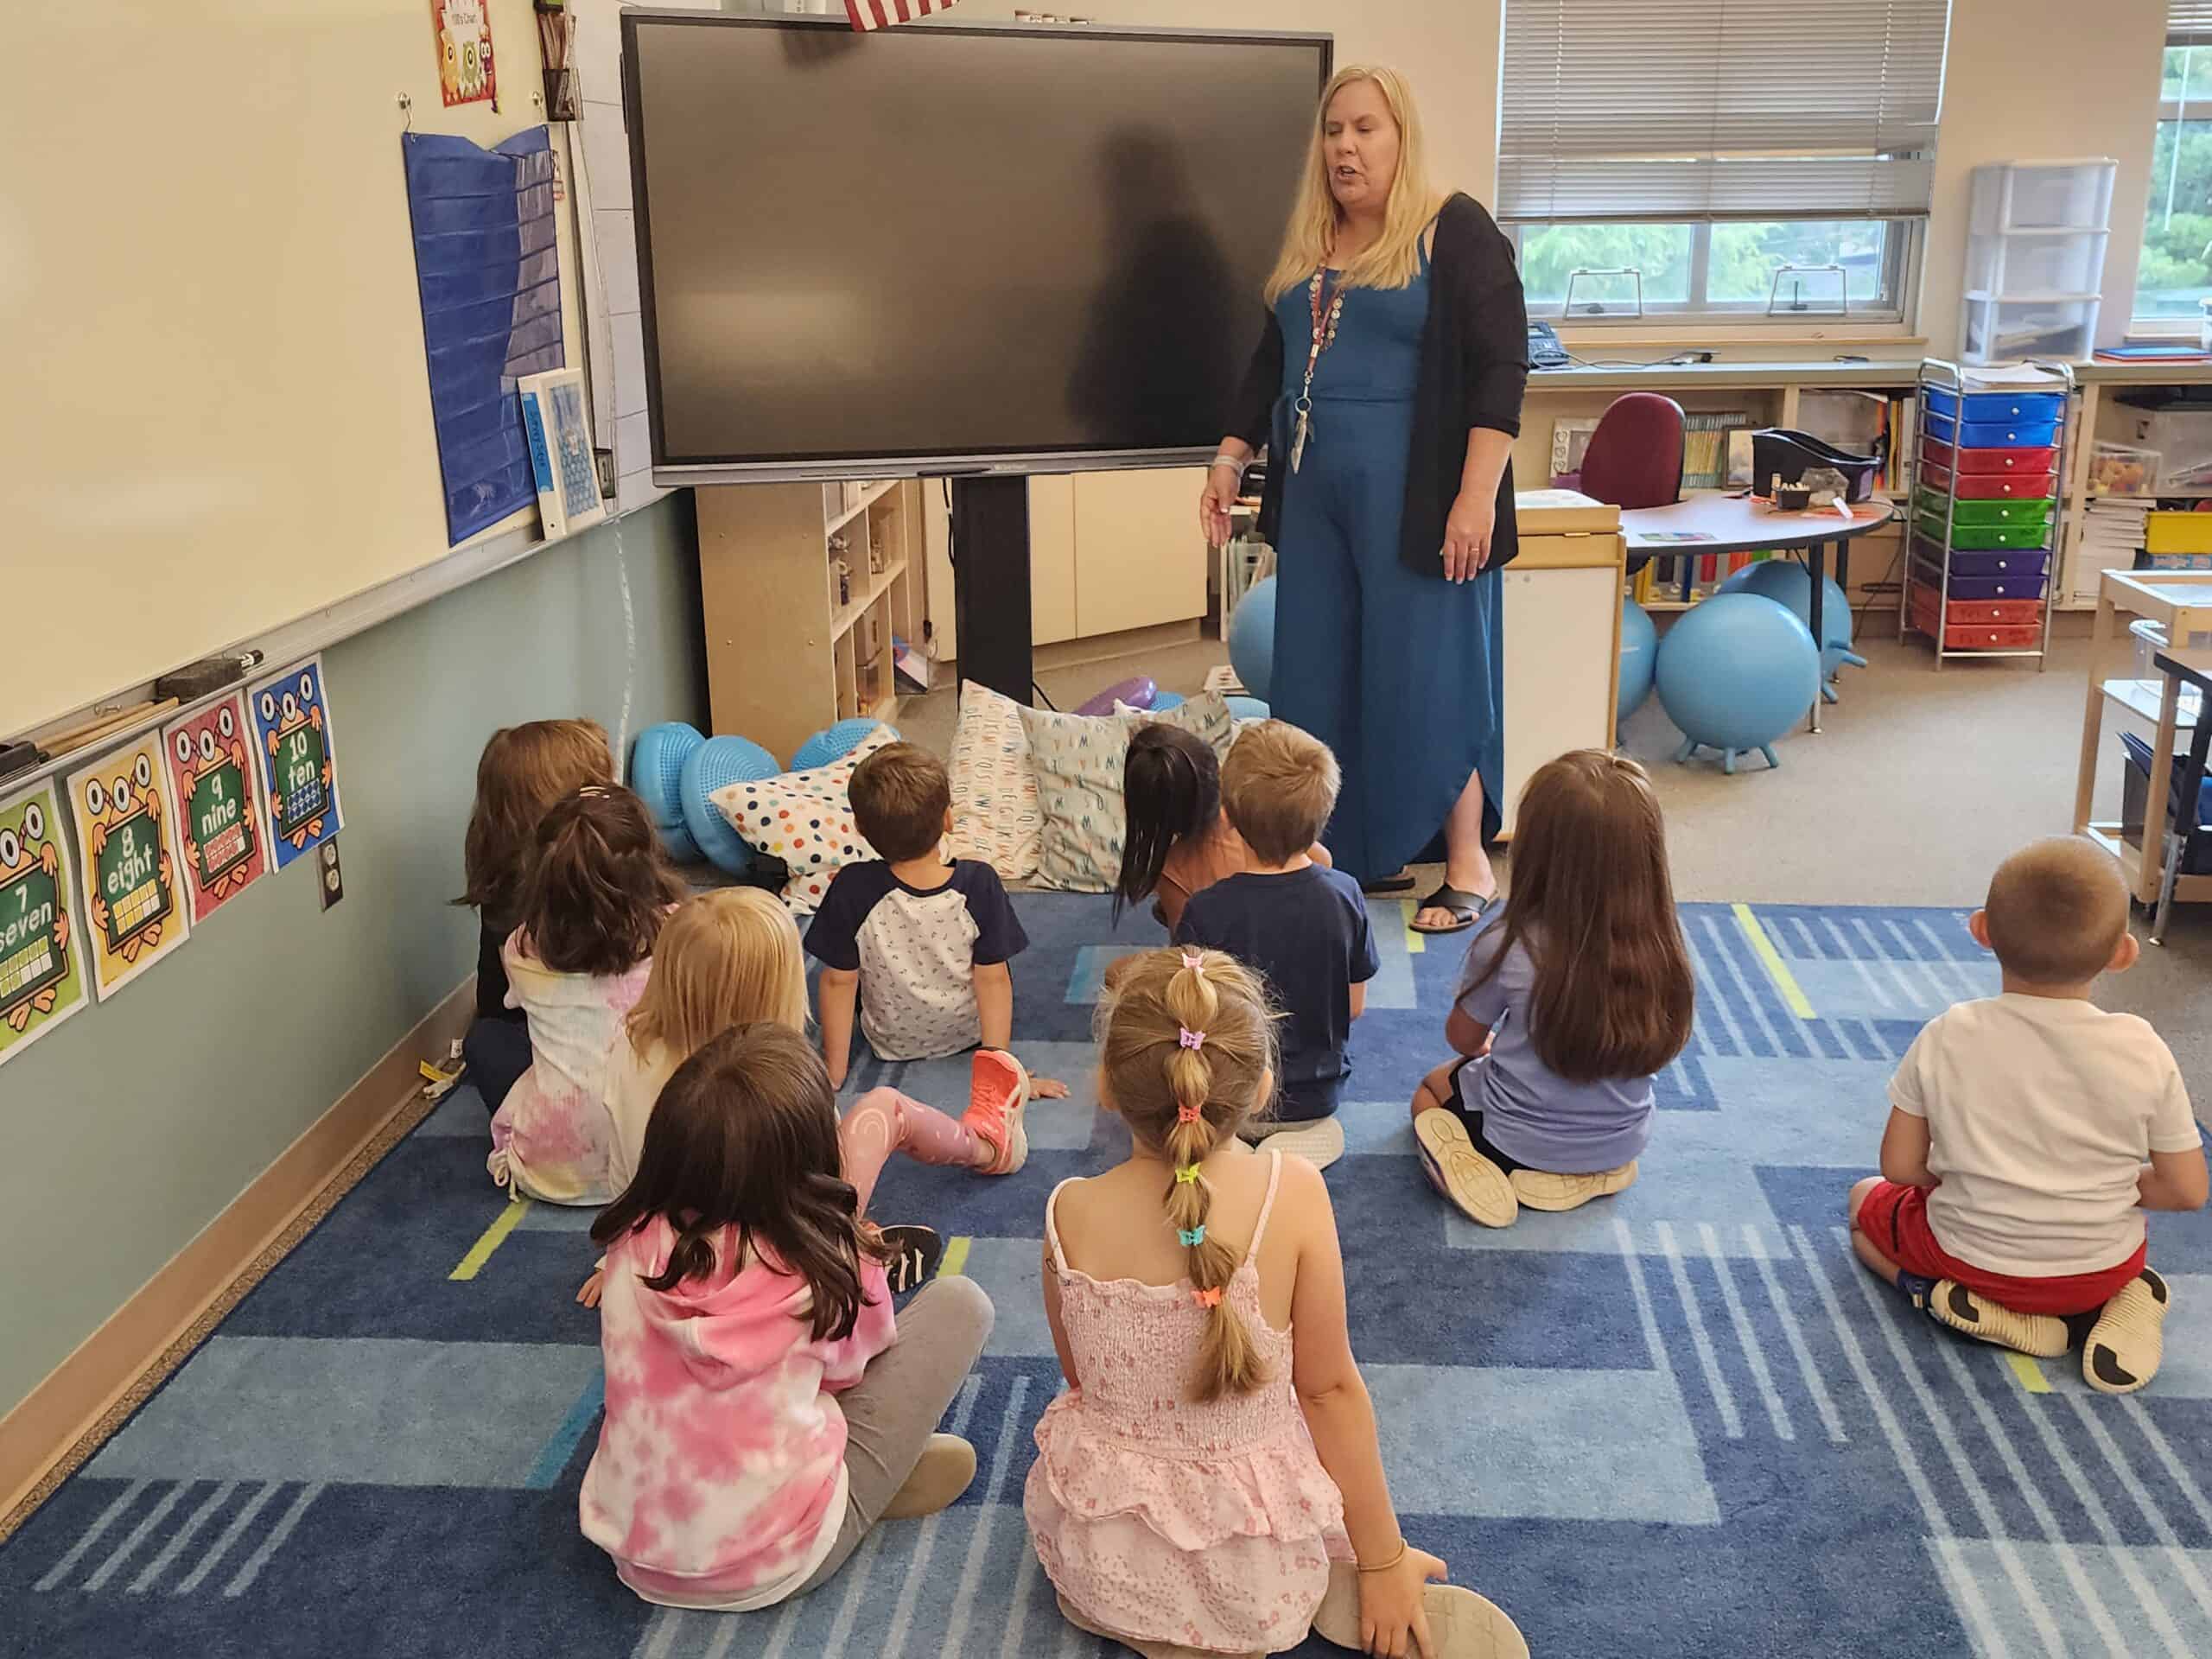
(2018, 566)
(1981, 586)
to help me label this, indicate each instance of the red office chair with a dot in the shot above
(1635, 457)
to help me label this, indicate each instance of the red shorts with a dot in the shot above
(1895, 1218)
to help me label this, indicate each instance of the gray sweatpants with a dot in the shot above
(891, 1412)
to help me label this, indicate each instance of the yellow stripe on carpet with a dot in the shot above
(1770, 959)
(956, 1258)
(1416, 941)
(2030, 1374)
(494, 1235)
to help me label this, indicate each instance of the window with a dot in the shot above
(2176, 275)
(1650, 145)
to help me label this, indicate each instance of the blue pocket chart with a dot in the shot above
(489, 271)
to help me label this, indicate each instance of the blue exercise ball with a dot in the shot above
(1252, 638)
(1248, 709)
(657, 774)
(1639, 649)
(1734, 673)
(1789, 584)
(1162, 701)
(715, 764)
(832, 743)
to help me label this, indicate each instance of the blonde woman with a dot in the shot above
(1388, 390)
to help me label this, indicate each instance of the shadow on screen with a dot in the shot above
(1166, 333)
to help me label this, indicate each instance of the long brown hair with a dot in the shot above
(524, 770)
(744, 1138)
(1182, 1099)
(728, 956)
(1593, 905)
(598, 886)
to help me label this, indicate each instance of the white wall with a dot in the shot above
(2034, 79)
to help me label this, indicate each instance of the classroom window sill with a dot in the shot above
(1699, 336)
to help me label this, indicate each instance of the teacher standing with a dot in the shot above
(1388, 390)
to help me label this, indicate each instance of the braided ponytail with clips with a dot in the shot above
(1229, 1362)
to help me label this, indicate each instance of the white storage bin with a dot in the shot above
(2044, 195)
(2183, 439)
(2036, 262)
(2005, 331)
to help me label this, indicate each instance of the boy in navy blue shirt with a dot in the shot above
(1301, 924)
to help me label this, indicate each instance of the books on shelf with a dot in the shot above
(2110, 534)
(1706, 447)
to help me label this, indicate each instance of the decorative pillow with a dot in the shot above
(994, 813)
(1077, 759)
(804, 818)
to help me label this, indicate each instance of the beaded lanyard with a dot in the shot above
(1325, 331)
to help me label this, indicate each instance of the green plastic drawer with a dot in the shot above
(1983, 536)
(2030, 515)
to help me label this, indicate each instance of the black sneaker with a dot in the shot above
(919, 1251)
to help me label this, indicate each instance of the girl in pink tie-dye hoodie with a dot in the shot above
(763, 1411)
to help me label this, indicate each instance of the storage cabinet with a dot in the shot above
(1562, 615)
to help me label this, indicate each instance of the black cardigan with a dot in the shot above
(1474, 367)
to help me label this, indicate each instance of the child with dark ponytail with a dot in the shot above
(1210, 1481)
(576, 964)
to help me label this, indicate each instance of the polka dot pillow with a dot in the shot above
(804, 818)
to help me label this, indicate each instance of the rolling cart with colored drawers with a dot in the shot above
(1985, 513)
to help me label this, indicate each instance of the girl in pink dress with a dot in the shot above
(592, 907)
(1210, 1481)
(762, 1412)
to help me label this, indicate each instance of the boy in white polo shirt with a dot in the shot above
(2014, 1171)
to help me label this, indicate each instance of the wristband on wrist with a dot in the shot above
(1384, 1567)
(1225, 458)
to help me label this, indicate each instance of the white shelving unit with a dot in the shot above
(2035, 266)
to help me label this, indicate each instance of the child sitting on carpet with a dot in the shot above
(1567, 1007)
(920, 944)
(1194, 1487)
(2013, 1166)
(1178, 840)
(762, 1412)
(731, 957)
(598, 890)
(1302, 924)
(524, 770)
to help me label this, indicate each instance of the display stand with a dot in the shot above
(990, 582)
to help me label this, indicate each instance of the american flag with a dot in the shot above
(882, 13)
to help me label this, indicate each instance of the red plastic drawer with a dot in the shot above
(1990, 460)
(1990, 486)
(1967, 629)
(2004, 612)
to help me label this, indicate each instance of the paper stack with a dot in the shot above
(2111, 536)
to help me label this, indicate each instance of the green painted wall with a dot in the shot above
(131, 1127)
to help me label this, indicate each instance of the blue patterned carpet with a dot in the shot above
(1675, 1424)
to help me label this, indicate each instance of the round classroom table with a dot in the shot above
(1737, 523)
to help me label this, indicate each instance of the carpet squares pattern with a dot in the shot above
(1677, 1424)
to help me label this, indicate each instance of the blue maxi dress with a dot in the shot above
(1402, 674)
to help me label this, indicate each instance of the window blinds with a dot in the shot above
(1719, 108)
(2189, 22)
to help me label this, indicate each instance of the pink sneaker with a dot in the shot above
(997, 1090)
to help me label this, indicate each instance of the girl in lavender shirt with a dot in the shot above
(1567, 1007)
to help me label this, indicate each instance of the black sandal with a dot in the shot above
(1401, 882)
(919, 1251)
(1465, 908)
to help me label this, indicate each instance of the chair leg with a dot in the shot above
(2177, 847)
(1767, 749)
(1683, 754)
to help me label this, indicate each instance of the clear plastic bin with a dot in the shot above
(2122, 469)
(2044, 195)
(2004, 331)
(2037, 262)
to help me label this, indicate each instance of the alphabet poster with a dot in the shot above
(222, 828)
(41, 981)
(134, 906)
(291, 723)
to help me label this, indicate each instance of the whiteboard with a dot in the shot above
(218, 415)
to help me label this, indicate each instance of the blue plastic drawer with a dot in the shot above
(2020, 567)
(1997, 406)
(1991, 435)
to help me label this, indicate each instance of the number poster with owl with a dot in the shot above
(41, 931)
(222, 825)
(134, 912)
(299, 765)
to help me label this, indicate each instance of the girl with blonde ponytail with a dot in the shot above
(1213, 1465)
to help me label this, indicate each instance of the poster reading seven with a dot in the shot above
(40, 984)
(133, 912)
(222, 830)
(463, 31)
(291, 722)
